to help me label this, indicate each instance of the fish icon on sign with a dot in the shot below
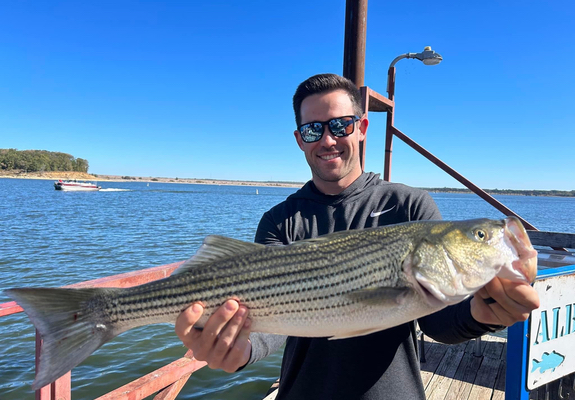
(548, 361)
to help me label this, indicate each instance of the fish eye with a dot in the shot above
(480, 234)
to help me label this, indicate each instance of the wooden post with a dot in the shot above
(354, 42)
(389, 126)
(61, 388)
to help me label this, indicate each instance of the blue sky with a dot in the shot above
(195, 89)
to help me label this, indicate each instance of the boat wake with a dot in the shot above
(115, 190)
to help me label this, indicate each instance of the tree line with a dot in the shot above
(535, 192)
(40, 161)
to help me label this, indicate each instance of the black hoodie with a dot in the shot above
(382, 365)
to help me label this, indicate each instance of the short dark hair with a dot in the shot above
(326, 83)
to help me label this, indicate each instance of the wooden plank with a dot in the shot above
(464, 377)
(44, 393)
(131, 278)
(552, 264)
(121, 280)
(500, 381)
(271, 396)
(61, 388)
(487, 372)
(546, 251)
(552, 239)
(378, 102)
(9, 308)
(499, 387)
(553, 258)
(174, 375)
(483, 387)
(365, 106)
(439, 385)
(471, 346)
(172, 391)
(156, 380)
(433, 357)
(273, 391)
(493, 347)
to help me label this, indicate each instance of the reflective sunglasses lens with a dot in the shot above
(311, 132)
(342, 126)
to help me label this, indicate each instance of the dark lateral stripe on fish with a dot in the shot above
(324, 287)
(321, 270)
(296, 311)
(150, 310)
(265, 259)
(134, 304)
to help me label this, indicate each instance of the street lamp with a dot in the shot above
(428, 57)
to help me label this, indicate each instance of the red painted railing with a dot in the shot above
(167, 381)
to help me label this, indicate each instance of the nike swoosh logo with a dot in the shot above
(377, 214)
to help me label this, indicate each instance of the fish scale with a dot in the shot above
(340, 285)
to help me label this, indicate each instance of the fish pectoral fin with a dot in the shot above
(355, 333)
(380, 296)
(216, 248)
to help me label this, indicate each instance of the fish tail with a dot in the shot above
(535, 365)
(71, 323)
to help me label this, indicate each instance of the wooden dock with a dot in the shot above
(469, 371)
(466, 370)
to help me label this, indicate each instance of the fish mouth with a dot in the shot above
(517, 261)
(524, 267)
(428, 290)
(432, 295)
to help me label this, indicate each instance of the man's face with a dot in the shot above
(334, 161)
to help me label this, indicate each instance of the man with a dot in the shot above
(382, 365)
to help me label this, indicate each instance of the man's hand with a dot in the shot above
(512, 302)
(224, 341)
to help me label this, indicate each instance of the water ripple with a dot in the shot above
(52, 238)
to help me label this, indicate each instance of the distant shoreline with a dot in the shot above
(55, 175)
(507, 192)
(195, 181)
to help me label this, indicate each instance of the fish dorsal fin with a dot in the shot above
(216, 248)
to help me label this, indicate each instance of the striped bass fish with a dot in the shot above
(340, 285)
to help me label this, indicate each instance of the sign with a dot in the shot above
(552, 331)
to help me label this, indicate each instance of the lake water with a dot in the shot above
(53, 238)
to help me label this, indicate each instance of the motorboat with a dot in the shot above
(75, 186)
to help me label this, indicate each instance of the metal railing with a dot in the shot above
(376, 102)
(166, 381)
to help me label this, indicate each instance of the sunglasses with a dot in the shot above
(339, 127)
